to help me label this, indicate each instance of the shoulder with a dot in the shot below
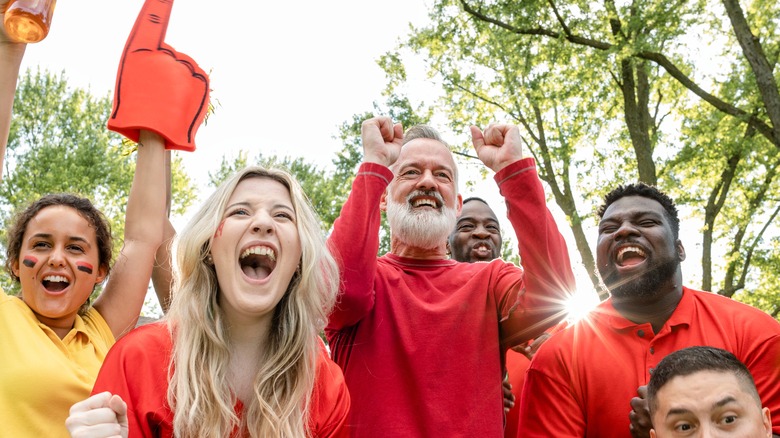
(96, 326)
(330, 379)
(729, 306)
(330, 401)
(151, 339)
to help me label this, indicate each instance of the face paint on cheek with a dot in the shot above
(84, 267)
(30, 261)
(218, 233)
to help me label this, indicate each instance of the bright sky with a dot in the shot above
(285, 74)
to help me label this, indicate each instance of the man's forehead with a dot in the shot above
(426, 150)
(634, 206)
(477, 210)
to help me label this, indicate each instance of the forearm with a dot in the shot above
(11, 55)
(121, 301)
(543, 250)
(162, 273)
(355, 242)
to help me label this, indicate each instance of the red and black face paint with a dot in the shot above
(218, 233)
(30, 261)
(84, 267)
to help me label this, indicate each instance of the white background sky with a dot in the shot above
(285, 74)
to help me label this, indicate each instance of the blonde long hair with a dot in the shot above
(199, 393)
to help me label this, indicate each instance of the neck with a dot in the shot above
(655, 308)
(403, 249)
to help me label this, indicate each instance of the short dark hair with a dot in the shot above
(647, 191)
(82, 205)
(476, 198)
(693, 360)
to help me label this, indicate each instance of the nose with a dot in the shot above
(426, 180)
(480, 232)
(262, 223)
(57, 257)
(626, 229)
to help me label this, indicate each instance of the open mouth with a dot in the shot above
(630, 256)
(425, 199)
(55, 283)
(482, 250)
(258, 262)
(425, 202)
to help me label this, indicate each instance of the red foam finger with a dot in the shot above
(151, 25)
(157, 88)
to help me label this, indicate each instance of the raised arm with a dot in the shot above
(161, 97)
(121, 301)
(355, 237)
(548, 276)
(11, 55)
(162, 273)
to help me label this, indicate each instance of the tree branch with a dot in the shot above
(751, 48)
(658, 58)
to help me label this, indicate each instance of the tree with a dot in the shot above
(58, 142)
(610, 92)
(347, 161)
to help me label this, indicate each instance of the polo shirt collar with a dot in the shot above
(681, 315)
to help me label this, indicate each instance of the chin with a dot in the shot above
(645, 285)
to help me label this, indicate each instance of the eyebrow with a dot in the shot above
(247, 204)
(724, 401)
(633, 215)
(50, 236)
(718, 404)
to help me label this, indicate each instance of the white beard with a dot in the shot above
(426, 229)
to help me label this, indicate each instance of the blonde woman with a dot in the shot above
(238, 353)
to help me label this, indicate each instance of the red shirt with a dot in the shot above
(581, 382)
(516, 366)
(136, 369)
(419, 341)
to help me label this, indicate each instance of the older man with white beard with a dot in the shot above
(420, 338)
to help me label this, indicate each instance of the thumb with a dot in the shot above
(476, 137)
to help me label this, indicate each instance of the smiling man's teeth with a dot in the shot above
(261, 251)
(634, 249)
(55, 279)
(428, 202)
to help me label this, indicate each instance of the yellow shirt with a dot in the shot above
(41, 375)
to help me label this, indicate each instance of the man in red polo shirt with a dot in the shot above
(585, 381)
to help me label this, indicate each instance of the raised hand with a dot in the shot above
(382, 140)
(158, 88)
(640, 415)
(101, 416)
(499, 146)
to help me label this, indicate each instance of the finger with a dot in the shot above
(386, 128)
(494, 135)
(118, 405)
(120, 408)
(151, 25)
(398, 131)
(642, 391)
(94, 402)
(477, 138)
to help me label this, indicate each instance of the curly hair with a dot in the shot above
(646, 191)
(83, 206)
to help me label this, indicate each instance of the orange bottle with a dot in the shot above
(28, 21)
